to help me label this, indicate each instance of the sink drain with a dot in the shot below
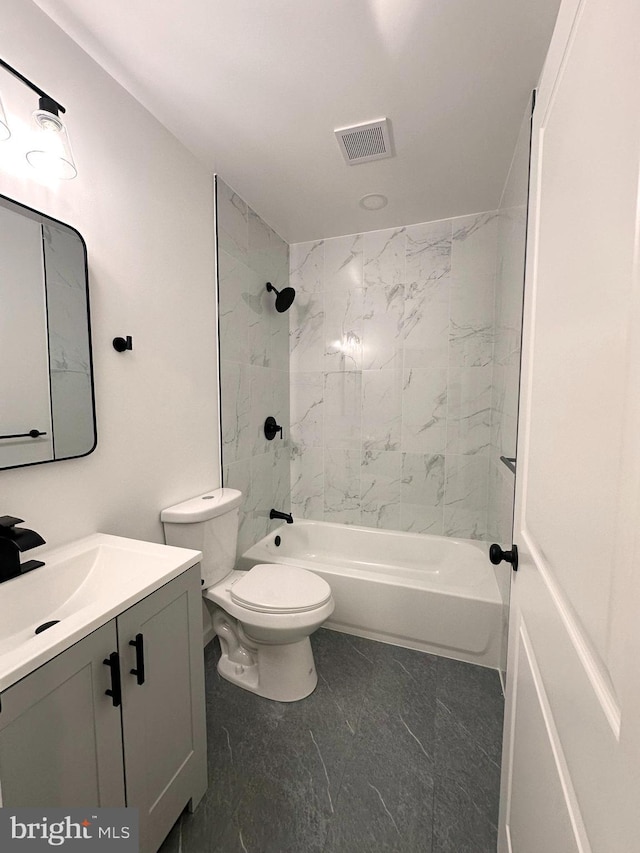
(46, 625)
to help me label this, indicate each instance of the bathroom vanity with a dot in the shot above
(110, 712)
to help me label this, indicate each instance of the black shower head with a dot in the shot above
(284, 298)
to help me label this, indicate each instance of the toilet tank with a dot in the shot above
(208, 523)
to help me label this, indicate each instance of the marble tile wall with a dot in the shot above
(254, 362)
(391, 358)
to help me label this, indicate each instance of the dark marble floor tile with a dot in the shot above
(473, 695)
(202, 829)
(289, 799)
(288, 803)
(458, 826)
(390, 753)
(232, 841)
(344, 672)
(460, 759)
(400, 705)
(317, 725)
(239, 727)
(385, 800)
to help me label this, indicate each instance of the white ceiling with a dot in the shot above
(255, 89)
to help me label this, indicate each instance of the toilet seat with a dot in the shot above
(275, 588)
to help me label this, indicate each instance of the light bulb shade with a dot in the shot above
(51, 152)
(5, 131)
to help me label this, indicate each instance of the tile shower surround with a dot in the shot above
(400, 389)
(254, 362)
(391, 358)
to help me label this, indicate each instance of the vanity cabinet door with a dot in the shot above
(60, 735)
(163, 717)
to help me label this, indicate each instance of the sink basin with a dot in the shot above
(81, 587)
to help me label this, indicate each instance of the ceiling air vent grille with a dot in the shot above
(364, 142)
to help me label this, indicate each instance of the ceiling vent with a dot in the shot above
(364, 142)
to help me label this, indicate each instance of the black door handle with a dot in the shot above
(138, 644)
(497, 555)
(113, 661)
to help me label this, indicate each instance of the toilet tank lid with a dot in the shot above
(204, 507)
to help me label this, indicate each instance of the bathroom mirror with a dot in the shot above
(47, 407)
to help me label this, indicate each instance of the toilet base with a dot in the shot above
(283, 673)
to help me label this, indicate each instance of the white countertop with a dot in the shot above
(84, 585)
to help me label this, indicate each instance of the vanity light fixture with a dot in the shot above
(51, 150)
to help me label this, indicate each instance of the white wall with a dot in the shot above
(144, 206)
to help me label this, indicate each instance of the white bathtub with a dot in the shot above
(424, 592)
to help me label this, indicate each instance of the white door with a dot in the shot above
(571, 759)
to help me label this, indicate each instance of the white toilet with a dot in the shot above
(263, 617)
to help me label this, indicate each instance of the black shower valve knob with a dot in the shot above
(271, 428)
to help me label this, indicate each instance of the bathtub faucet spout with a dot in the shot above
(285, 516)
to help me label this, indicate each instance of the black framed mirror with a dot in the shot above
(47, 402)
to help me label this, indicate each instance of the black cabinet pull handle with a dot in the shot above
(497, 555)
(138, 643)
(113, 661)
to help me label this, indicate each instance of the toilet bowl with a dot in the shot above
(267, 648)
(263, 617)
